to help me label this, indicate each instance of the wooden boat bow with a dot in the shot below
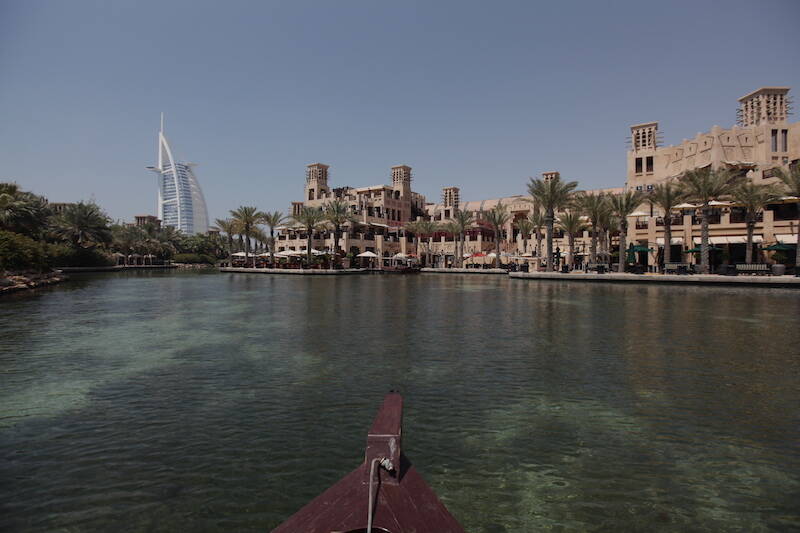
(402, 501)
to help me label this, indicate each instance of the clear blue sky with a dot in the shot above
(475, 94)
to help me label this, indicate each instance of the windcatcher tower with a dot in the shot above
(767, 105)
(401, 180)
(316, 181)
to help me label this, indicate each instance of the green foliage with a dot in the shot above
(83, 225)
(780, 257)
(22, 212)
(194, 259)
(62, 255)
(18, 252)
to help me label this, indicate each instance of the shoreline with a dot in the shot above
(670, 279)
(14, 282)
(296, 272)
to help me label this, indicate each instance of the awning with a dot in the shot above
(786, 238)
(738, 239)
(673, 240)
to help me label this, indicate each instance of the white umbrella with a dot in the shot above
(717, 203)
(399, 256)
(239, 254)
(317, 252)
(491, 255)
(685, 206)
(467, 255)
(639, 214)
(283, 253)
(367, 254)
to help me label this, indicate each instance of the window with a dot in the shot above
(784, 140)
(774, 140)
(650, 188)
(649, 162)
(639, 164)
(638, 187)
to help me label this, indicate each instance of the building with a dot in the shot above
(761, 140)
(181, 204)
(141, 221)
(381, 210)
(58, 208)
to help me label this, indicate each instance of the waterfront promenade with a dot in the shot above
(296, 271)
(690, 279)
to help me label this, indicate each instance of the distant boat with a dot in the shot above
(384, 494)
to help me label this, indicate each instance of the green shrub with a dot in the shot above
(62, 255)
(18, 252)
(194, 259)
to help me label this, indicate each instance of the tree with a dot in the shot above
(753, 198)
(126, 239)
(702, 186)
(426, 228)
(83, 225)
(229, 228)
(572, 223)
(666, 196)
(22, 212)
(791, 180)
(453, 228)
(463, 221)
(272, 220)
(337, 214)
(247, 217)
(537, 222)
(622, 205)
(551, 195)
(525, 228)
(595, 207)
(311, 218)
(497, 217)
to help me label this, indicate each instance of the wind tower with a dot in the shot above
(316, 181)
(401, 180)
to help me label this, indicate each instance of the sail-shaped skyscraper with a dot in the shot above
(180, 200)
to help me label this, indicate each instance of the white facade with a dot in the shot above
(180, 200)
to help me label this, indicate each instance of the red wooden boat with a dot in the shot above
(384, 494)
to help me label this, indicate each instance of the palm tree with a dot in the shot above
(595, 207)
(666, 196)
(498, 217)
(551, 195)
(311, 218)
(126, 239)
(622, 205)
(701, 187)
(229, 227)
(463, 221)
(337, 214)
(572, 223)
(453, 228)
(261, 238)
(22, 212)
(525, 228)
(426, 229)
(791, 180)
(83, 225)
(273, 219)
(537, 222)
(247, 217)
(753, 198)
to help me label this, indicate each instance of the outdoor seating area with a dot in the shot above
(761, 269)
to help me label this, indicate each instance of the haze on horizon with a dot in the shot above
(474, 94)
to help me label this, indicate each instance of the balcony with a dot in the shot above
(642, 224)
(674, 221)
(714, 218)
(738, 216)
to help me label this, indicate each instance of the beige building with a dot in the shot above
(382, 210)
(762, 140)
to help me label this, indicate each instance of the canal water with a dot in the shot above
(211, 402)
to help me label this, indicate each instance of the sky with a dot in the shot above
(480, 95)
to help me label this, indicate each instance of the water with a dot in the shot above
(204, 402)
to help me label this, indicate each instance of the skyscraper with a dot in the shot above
(180, 200)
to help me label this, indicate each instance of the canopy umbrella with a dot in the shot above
(399, 256)
(491, 255)
(717, 203)
(367, 254)
(467, 256)
(239, 254)
(685, 206)
(639, 214)
(778, 247)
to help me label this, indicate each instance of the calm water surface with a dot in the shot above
(207, 402)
